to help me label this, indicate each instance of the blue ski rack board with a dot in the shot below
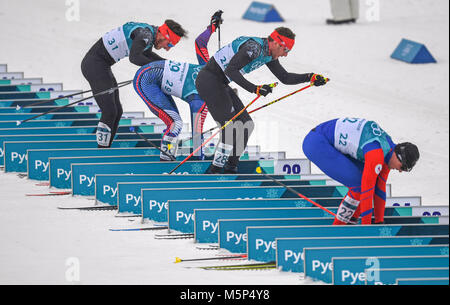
(352, 270)
(71, 122)
(38, 159)
(81, 172)
(15, 152)
(317, 263)
(181, 213)
(290, 255)
(106, 185)
(257, 236)
(422, 281)
(389, 276)
(11, 96)
(129, 194)
(154, 201)
(65, 137)
(60, 165)
(155, 128)
(205, 224)
(232, 231)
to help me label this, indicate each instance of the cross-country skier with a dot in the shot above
(133, 40)
(158, 81)
(359, 154)
(243, 55)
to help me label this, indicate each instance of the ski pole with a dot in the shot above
(281, 98)
(110, 90)
(132, 129)
(18, 107)
(268, 104)
(218, 36)
(221, 128)
(259, 171)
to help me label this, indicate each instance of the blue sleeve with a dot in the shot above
(201, 46)
(371, 146)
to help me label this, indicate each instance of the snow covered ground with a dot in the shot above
(38, 242)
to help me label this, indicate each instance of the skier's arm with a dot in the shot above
(374, 160)
(140, 52)
(201, 45)
(285, 77)
(248, 52)
(379, 199)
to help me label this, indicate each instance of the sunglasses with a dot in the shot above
(286, 49)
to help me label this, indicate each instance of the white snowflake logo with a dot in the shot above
(301, 204)
(197, 168)
(124, 144)
(444, 251)
(385, 231)
(272, 193)
(416, 242)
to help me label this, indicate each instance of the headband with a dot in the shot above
(283, 40)
(169, 34)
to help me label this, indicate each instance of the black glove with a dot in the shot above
(263, 90)
(318, 80)
(216, 19)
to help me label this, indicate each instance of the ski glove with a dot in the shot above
(263, 90)
(216, 20)
(318, 80)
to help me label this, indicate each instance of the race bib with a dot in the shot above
(116, 44)
(223, 57)
(174, 77)
(347, 135)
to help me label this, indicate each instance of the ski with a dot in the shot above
(251, 266)
(210, 247)
(91, 208)
(43, 184)
(175, 236)
(223, 257)
(127, 215)
(51, 194)
(141, 229)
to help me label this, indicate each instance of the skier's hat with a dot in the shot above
(408, 154)
(169, 35)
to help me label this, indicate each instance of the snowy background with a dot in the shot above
(41, 245)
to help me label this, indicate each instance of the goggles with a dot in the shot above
(285, 42)
(169, 35)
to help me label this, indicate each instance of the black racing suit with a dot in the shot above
(222, 101)
(96, 68)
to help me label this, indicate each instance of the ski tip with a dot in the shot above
(259, 170)
(18, 107)
(177, 260)
(18, 123)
